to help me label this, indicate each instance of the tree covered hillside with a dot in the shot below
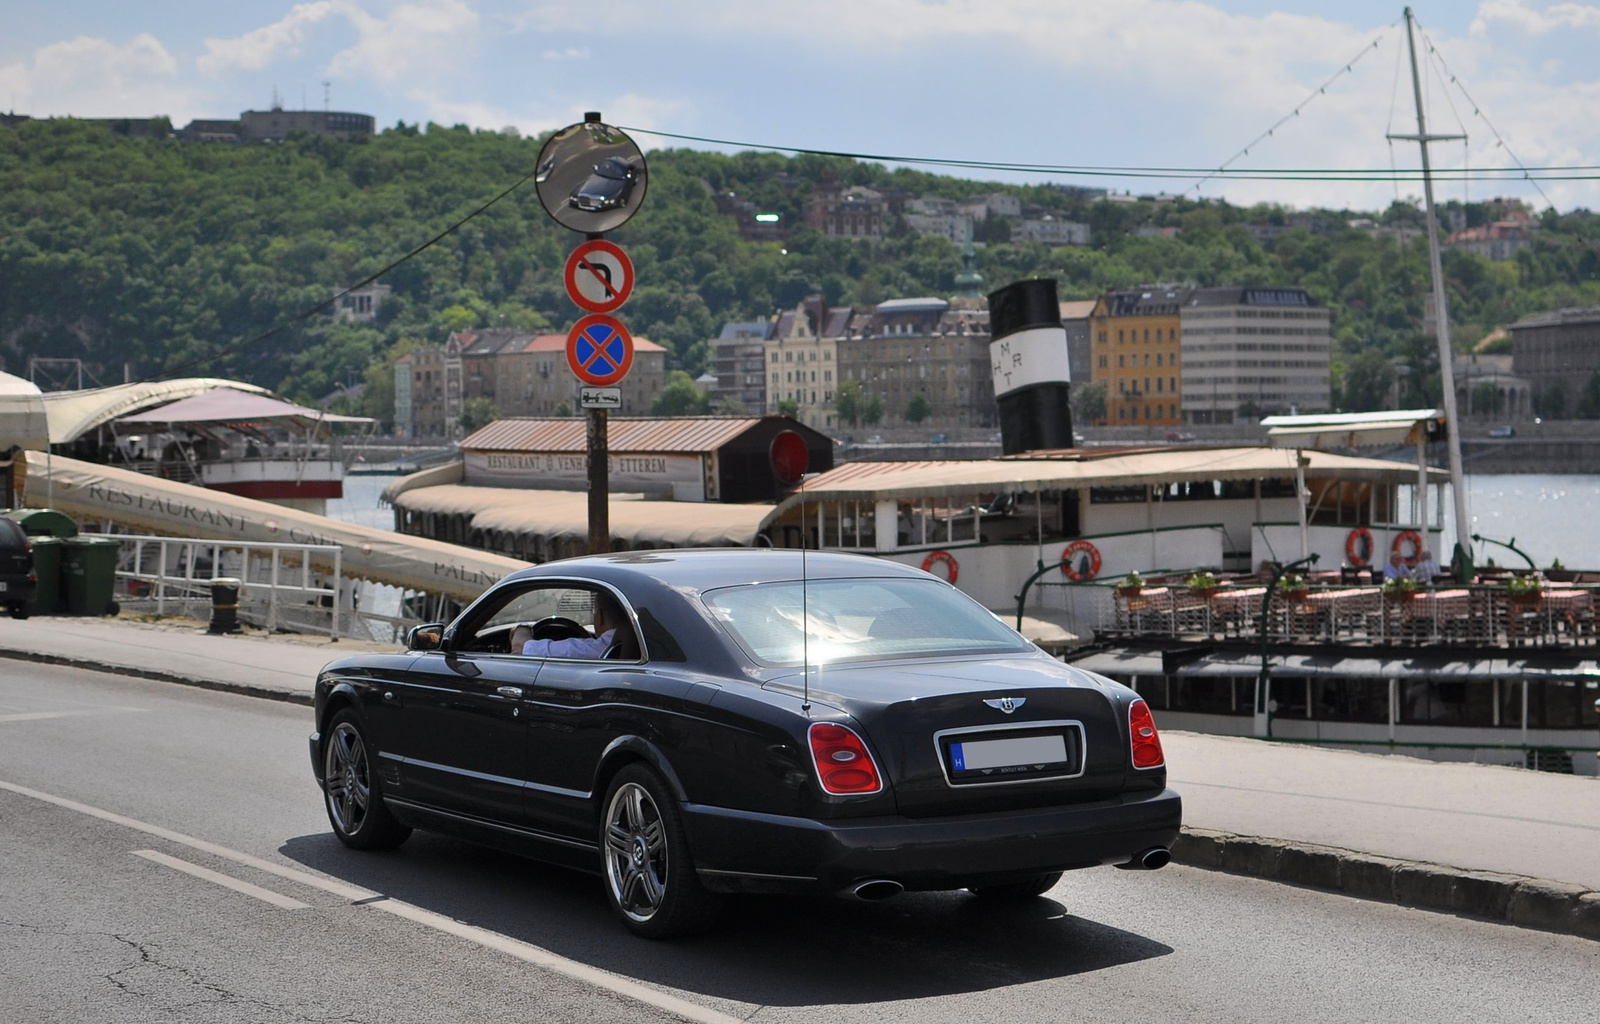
(157, 254)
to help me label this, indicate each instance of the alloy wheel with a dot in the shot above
(348, 784)
(636, 852)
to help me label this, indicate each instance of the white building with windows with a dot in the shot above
(1249, 352)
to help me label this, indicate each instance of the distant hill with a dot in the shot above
(151, 254)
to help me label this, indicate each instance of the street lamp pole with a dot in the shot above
(1263, 710)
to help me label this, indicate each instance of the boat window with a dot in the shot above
(859, 620)
(1116, 495)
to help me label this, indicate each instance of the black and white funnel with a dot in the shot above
(1028, 357)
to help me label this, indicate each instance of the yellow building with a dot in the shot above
(1136, 343)
(802, 361)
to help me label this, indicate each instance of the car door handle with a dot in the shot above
(509, 691)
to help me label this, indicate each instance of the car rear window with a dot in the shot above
(857, 620)
(11, 535)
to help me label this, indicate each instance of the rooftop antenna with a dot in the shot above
(327, 95)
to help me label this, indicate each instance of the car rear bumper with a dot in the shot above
(744, 851)
(18, 590)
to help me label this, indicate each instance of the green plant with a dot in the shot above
(1524, 586)
(1204, 581)
(1556, 566)
(1132, 581)
(1293, 583)
(1403, 586)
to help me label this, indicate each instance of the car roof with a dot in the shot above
(701, 569)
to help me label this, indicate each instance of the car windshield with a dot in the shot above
(614, 169)
(857, 620)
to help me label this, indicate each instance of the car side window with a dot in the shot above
(564, 614)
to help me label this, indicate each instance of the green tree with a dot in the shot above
(788, 407)
(918, 409)
(1553, 402)
(1089, 402)
(847, 402)
(872, 410)
(477, 413)
(1589, 403)
(1485, 399)
(1367, 380)
(679, 397)
(564, 410)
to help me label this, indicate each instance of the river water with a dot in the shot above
(1550, 516)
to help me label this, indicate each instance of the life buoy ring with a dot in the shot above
(945, 557)
(1069, 561)
(1358, 546)
(1416, 546)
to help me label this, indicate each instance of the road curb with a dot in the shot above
(243, 689)
(1514, 899)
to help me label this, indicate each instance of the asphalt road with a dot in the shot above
(132, 814)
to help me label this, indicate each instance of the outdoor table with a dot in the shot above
(1433, 607)
(1330, 605)
(1149, 601)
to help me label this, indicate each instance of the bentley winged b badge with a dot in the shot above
(1006, 705)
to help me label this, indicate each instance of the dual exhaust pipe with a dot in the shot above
(1150, 860)
(875, 889)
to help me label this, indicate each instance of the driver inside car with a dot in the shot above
(607, 617)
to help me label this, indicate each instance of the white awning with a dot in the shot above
(137, 503)
(1351, 429)
(75, 413)
(23, 423)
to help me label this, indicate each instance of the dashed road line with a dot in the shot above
(527, 952)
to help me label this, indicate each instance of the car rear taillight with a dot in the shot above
(843, 764)
(1142, 733)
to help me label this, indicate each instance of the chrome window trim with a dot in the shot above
(536, 582)
(1083, 750)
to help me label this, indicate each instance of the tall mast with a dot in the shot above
(1463, 552)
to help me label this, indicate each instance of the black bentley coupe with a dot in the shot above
(744, 725)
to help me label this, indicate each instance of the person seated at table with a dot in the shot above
(1397, 568)
(1426, 570)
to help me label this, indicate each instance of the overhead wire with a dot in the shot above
(1321, 90)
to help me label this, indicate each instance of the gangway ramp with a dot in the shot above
(137, 503)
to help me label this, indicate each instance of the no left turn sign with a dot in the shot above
(599, 276)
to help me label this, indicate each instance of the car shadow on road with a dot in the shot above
(766, 950)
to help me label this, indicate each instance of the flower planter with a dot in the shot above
(1128, 591)
(1205, 592)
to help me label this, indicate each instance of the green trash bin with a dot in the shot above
(88, 574)
(43, 522)
(47, 566)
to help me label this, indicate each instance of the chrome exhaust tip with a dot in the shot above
(1150, 860)
(876, 889)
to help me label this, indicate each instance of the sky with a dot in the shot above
(1169, 83)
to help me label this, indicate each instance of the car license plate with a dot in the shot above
(980, 757)
(3, 586)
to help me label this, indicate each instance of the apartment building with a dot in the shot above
(1136, 351)
(802, 361)
(903, 348)
(1251, 352)
(739, 359)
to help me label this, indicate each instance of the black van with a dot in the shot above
(18, 582)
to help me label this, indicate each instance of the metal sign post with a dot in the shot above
(592, 179)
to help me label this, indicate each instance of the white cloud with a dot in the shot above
(256, 50)
(422, 37)
(570, 53)
(1517, 14)
(93, 77)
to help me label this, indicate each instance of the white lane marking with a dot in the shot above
(524, 951)
(218, 878)
(36, 716)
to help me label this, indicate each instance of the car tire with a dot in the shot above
(648, 872)
(1021, 889)
(352, 791)
(18, 611)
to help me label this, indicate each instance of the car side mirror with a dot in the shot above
(426, 637)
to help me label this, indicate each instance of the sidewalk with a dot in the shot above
(1477, 839)
(278, 666)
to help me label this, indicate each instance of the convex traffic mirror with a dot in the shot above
(591, 177)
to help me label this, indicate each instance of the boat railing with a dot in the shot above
(1551, 615)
